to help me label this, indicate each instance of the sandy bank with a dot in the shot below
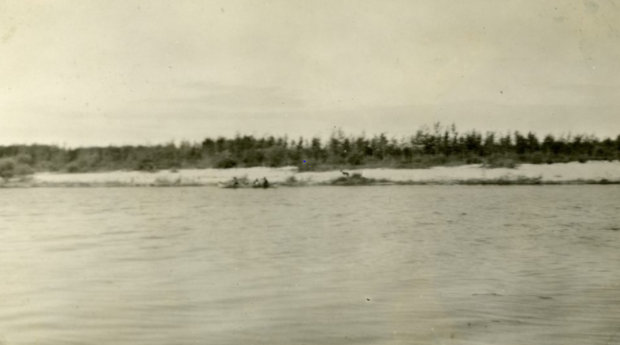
(590, 172)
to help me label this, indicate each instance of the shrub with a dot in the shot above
(7, 168)
(146, 164)
(497, 162)
(23, 170)
(537, 158)
(73, 167)
(473, 160)
(24, 159)
(275, 156)
(356, 180)
(355, 158)
(10, 167)
(225, 163)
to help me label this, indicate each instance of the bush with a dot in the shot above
(7, 168)
(24, 159)
(23, 170)
(473, 160)
(146, 164)
(355, 158)
(77, 166)
(10, 167)
(356, 180)
(275, 156)
(73, 167)
(499, 162)
(538, 158)
(225, 163)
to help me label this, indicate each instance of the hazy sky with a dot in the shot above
(122, 72)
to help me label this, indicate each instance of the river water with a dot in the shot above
(317, 265)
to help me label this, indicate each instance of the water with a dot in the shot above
(322, 265)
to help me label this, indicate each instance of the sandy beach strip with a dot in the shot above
(590, 172)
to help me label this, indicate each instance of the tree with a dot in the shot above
(275, 156)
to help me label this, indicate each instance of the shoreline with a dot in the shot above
(573, 173)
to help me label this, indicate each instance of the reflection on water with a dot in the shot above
(324, 265)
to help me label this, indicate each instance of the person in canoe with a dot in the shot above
(265, 183)
(256, 183)
(235, 183)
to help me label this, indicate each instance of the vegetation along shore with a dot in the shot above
(431, 149)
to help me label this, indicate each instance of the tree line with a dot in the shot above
(428, 146)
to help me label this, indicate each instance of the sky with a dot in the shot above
(115, 72)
